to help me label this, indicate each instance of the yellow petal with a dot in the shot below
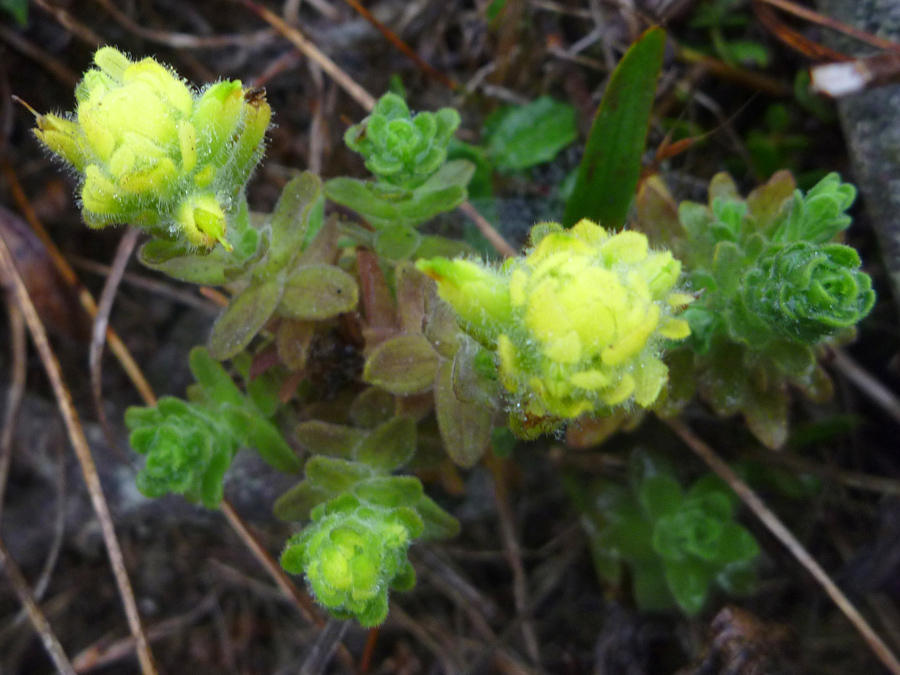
(624, 247)
(620, 392)
(632, 343)
(679, 299)
(675, 329)
(566, 349)
(650, 377)
(591, 379)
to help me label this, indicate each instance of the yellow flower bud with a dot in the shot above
(61, 137)
(203, 221)
(479, 294)
(577, 324)
(156, 153)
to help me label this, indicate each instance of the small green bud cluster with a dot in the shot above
(155, 153)
(402, 150)
(578, 324)
(353, 553)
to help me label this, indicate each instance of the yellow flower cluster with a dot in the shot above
(577, 325)
(155, 153)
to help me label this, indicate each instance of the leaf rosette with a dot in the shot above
(807, 292)
(190, 444)
(679, 544)
(402, 150)
(188, 450)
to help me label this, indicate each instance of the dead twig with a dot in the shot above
(99, 655)
(787, 538)
(514, 559)
(16, 391)
(496, 240)
(83, 452)
(70, 23)
(101, 325)
(851, 479)
(18, 42)
(300, 599)
(149, 284)
(826, 21)
(303, 602)
(327, 641)
(401, 46)
(367, 101)
(360, 95)
(84, 296)
(186, 40)
(38, 620)
(883, 397)
(399, 617)
(59, 529)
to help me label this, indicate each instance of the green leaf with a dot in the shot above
(318, 292)
(397, 243)
(747, 52)
(442, 192)
(290, 220)
(209, 373)
(689, 581)
(178, 262)
(335, 475)
(438, 523)
(263, 392)
(465, 427)
(334, 440)
(611, 166)
(402, 365)
(657, 214)
(660, 495)
(651, 590)
(372, 407)
(390, 491)
(265, 438)
(388, 447)
(531, 134)
(244, 317)
(17, 8)
(297, 503)
(735, 544)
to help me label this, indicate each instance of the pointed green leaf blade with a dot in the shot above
(609, 171)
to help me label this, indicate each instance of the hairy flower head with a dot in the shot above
(352, 553)
(577, 325)
(154, 152)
